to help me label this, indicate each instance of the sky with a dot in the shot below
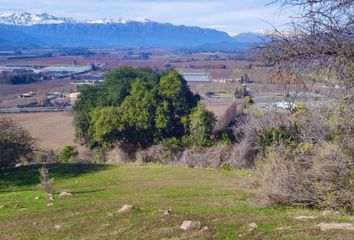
(232, 16)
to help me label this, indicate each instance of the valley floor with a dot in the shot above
(225, 202)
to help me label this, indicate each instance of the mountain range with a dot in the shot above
(27, 30)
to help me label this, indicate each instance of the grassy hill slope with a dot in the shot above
(222, 201)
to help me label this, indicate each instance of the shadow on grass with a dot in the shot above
(29, 175)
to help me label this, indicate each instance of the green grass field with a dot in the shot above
(225, 202)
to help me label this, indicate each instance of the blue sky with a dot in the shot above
(233, 16)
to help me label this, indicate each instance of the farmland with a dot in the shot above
(52, 130)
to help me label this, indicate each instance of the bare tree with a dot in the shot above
(319, 44)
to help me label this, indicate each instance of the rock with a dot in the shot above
(335, 226)
(50, 196)
(36, 198)
(305, 217)
(252, 226)
(126, 208)
(18, 165)
(189, 225)
(57, 226)
(110, 215)
(65, 194)
(204, 229)
(327, 212)
(2, 206)
(167, 212)
(50, 204)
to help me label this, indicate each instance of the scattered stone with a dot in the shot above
(216, 220)
(189, 225)
(305, 217)
(109, 214)
(335, 226)
(126, 208)
(50, 204)
(57, 226)
(167, 212)
(65, 194)
(240, 235)
(326, 212)
(50, 196)
(2, 206)
(36, 198)
(329, 212)
(204, 229)
(19, 165)
(252, 226)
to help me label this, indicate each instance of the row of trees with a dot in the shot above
(138, 107)
(20, 78)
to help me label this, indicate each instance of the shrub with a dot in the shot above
(247, 101)
(226, 136)
(174, 145)
(315, 175)
(16, 143)
(226, 167)
(68, 154)
(201, 126)
(286, 135)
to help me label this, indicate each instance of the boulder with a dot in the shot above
(252, 226)
(65, 194)
(335, 226)
(190, 225)
(126, 208)
(167, 212)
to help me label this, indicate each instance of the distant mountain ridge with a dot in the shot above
(27, 30)
(29, 19)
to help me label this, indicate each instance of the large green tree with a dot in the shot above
(134, 107)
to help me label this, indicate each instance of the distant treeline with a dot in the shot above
(23, 78)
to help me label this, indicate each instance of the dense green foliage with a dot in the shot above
(201, 126)
(283, 135)
(140, 107)
(20, 78)
(68, 154)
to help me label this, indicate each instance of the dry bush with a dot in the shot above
(154, 154)
(46, 182)
(213, 157)
(49, 156)
(245, 152)
(229, 116)
(313, 175)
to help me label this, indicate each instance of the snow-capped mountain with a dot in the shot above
(28, 30)
(29, 19)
